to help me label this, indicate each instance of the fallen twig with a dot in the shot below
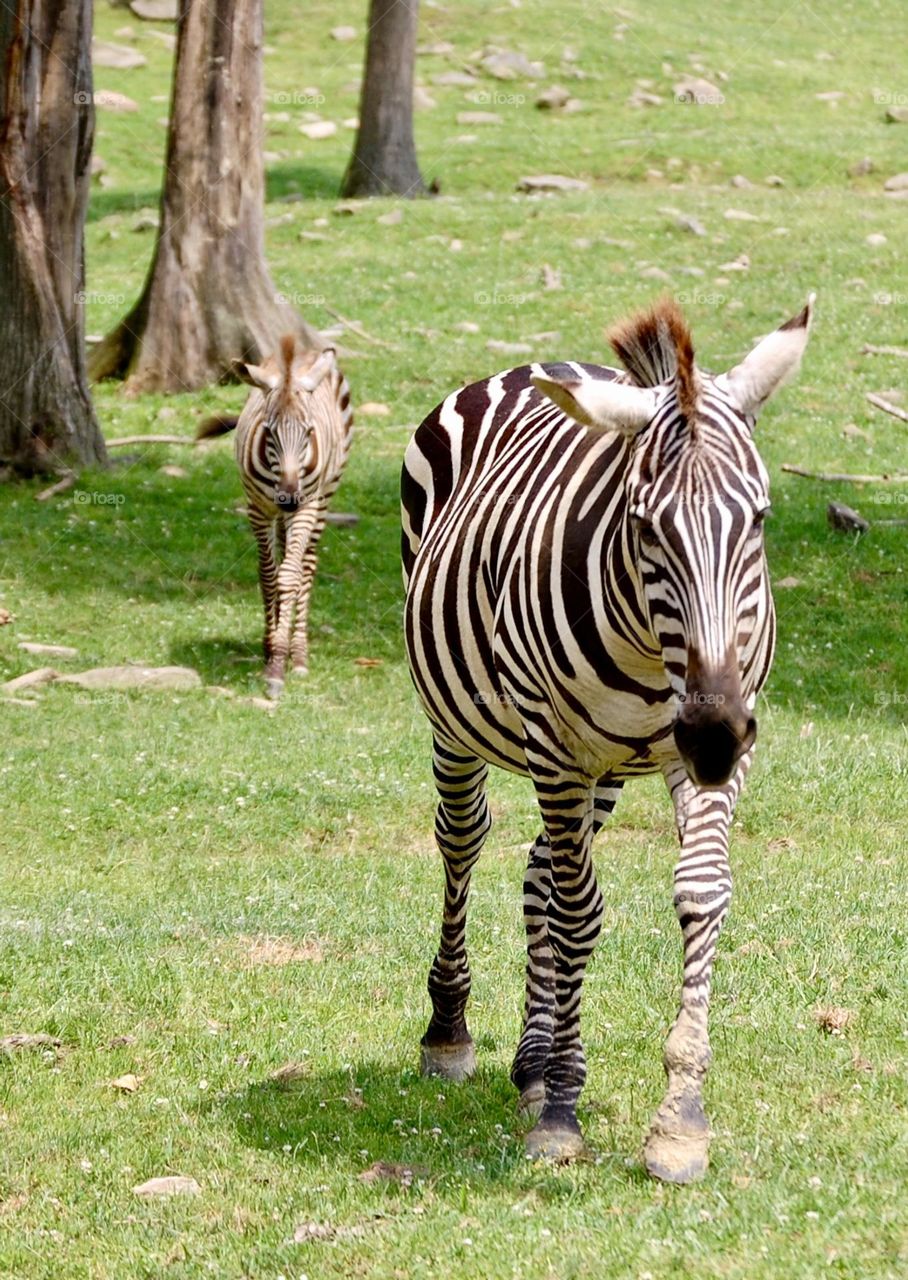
(61, 486)
(837, 476)
(126, 440)
(869, 349)
(887, 406)
(360, 331)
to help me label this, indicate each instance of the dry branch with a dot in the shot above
(869, 349)
(887, 406)
(360, 331)
(124, 440)
(61, 486)
(839, 476)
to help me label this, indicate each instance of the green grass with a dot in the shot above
(154, 843)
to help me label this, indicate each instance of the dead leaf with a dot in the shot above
(171, 1185)
(12, 1203)
(788, 582)
(832, 1018)
(121, 1042)
(127, 1084)
(22, 1040)
(289, 1074)
(384, 1171)
(369, 662)
(5, 617)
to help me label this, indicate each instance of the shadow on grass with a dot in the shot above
(447, 1134)
(293, 179)
(224, 660)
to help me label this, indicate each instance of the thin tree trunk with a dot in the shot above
(47, 420)
(208, 300)
(384, 158)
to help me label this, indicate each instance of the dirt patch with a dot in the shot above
(280, 951)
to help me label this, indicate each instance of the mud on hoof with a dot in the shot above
(558, 1143)
(676, 1157)
(448, 1061)
(532, 1100)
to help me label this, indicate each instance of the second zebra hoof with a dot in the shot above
(448, 1061)
(676, 1157)
(302, 670)
(274, 688)
(532, 1100)
(556, 1144)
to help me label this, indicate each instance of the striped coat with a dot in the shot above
(587, 601)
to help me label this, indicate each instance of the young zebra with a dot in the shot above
(587, 601)
(292, 442)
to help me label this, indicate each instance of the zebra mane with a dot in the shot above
(655, 346)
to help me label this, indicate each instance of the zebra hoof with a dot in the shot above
(274, 687)
(557, 1144)
(532, 1100)
(676, 1157)
(301, 671)
(448, 1061)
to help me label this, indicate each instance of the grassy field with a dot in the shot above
(196, 892)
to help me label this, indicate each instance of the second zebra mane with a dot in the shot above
(655, 346)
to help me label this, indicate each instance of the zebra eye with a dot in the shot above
(758, 519)
(647, 534)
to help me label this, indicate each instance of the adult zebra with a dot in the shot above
(587, 601)
(292, 442)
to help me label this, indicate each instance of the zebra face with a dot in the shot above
(697, 493)
(288, 444)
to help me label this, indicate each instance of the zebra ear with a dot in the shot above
(309, 380)
(771, 364)
(606, 406)
(257, 376)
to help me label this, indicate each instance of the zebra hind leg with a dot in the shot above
(528, 1071)
(677, 1145)
(461, 825)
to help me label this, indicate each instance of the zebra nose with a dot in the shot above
(712, 736)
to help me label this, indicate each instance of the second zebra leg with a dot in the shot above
(299, 645)
(528, 1070)
(264, 529)
(677, 1145)
(296, 534)
(461, 825)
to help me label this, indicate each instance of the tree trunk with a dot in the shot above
(208, 300)
(46, 416)
(384, 158)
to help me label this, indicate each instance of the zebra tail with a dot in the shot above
(217, 425)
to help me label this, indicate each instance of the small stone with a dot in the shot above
(897, 115)
(439, 49)
(505, 64)
(687, 222)
(343, 34)
(134, 678)
(655, 273)
(467, 326)
(643, 98)
(391, 218)
(741, 263)
(786, 583)
(876, 239)
(319, 129)
(831, 95)
(372, 409)
(155, 10)
(174, 1185)
(110, 100)
(508, 348)
(552, 182)
(147, 222)
(698, 92)
(740, 181)
(773, 180)
(166, 38)
(422, 99)
(352, 122)
(553, 99)
(454, 79)
(846, 518)
(740, 215)
(898, 182)
(175, 472)
(119, 56)
(851, 431)
(478, 117)
(49, 650)
(861, 168)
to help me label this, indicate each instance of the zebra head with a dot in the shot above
(285, 415)
(696, 493)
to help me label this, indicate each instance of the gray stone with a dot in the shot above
(119, 56)
(155, 10)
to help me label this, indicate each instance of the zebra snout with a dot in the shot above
(287, 495)
(712, 736)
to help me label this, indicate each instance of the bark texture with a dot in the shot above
(208, 300)
(46, 416)
(384, 158)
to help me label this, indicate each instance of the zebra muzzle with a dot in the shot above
(714, 728)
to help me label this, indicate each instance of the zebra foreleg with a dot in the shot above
(528, 1071)
(461, 825)
(574, 920)
(299, 645)
(262, 527)
(288, 578)
(677, 1146)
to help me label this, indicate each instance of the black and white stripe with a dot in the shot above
(588, 600)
